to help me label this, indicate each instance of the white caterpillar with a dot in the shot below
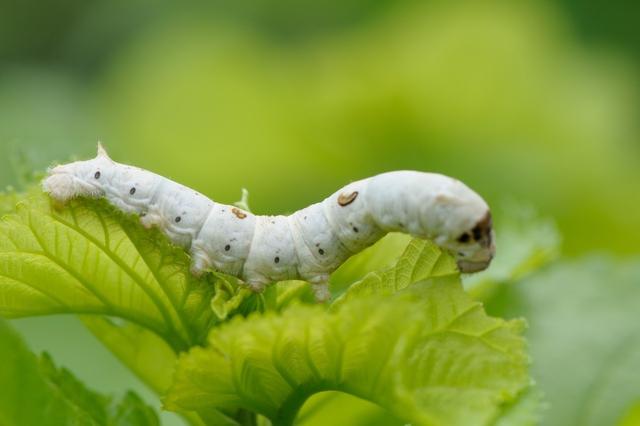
(310, 243)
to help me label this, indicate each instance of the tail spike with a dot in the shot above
(102, 152)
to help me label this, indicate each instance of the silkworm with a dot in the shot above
(308, 244)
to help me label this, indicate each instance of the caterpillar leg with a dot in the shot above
(319, 284)
(198, 265)
(150, 220)
(256, 286)
(199, 259)
(321, 292)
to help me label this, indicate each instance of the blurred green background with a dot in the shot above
(523, 100)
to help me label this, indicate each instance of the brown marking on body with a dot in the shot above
(239, 213)
(345, 200)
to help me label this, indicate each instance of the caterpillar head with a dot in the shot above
(474, 248)
(461, 223)
(80, 178)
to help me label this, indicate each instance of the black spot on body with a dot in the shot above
(227, 247)
(178, 219)
(97, 175)
(355, 229)
(276, 259)
(464, 238)
(132, 190)
(321, 251)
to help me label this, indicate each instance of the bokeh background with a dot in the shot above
(532, 101)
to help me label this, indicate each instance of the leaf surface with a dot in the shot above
(87, 258)
(143, 352)
(422, 349)
(584, 337)
(421, 260)
(35, 392)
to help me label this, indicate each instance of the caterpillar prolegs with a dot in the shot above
(308, 244)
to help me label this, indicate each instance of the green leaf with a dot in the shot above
(527, 410)
(35, 392)
(631, 416)
(143, 352)
(231, 298)
(343, 409)
(88, 258)
(8, 200)
(584, 338)
(421, 260)
(132, 411)
(293, 292)
(429, 355)
(381, 255)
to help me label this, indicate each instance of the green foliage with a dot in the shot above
(499, 94)
(584, 338)
(632, 416)
(421, 260)
(582, 315)
(334, 407)
(381, 255)
(35, 392)
(8, 201)
(428, 354)
(527, 410)
(406, 338)
(85, 258)
(141, 350)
